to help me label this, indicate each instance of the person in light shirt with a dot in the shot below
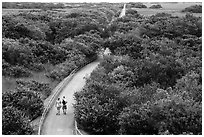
(58, 106)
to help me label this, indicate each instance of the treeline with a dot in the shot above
(35, 40)
(22, 105)
(193, 9)
(152, 84)
(31, 5)
(141, 5)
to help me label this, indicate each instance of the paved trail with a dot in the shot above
(64, 124)
(123, 11)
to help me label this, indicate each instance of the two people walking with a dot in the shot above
(61, 104)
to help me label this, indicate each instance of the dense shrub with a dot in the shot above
(163, 25)
(16, 71)
(62, 70)
(27, 101)
(164, 71)
(15, 53)
(175, 115)
(193, 9)
(191, 85)
(134, 120)
(137, 5)
(37, 67)
(145, 109)
(33, 5)
(103, 106)
(14, 122)
(151, 84)
(158, 6)
(42, 88)
(122, 44)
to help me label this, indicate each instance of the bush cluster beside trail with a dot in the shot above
(193, 9)
(41, 88)
(152, 84)
(157, 6)
(33, 41)
(23, 105)
(14, 123)
(136, 5)
(113, 102)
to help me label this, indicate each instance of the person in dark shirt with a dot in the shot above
(64, 106)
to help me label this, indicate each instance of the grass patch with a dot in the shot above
(167, 7)
(9, 83)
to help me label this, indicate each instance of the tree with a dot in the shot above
(98, 107)
(125, 44)
(137, 5)
(190, 84)
(15, 53)
(134, 120)
(14, 122)
(193, 9)
(24, 100)
(40, 87)
(177, 114)
(158, 6)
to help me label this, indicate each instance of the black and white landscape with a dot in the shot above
(132, 68)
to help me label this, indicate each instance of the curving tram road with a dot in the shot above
(64, 124)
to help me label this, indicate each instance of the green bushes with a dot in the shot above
(134, 120)
(158, 6)
(151, 85)
(14, 71)
(20, 57)
(64, 69)
(75, 59)
(14, 122)
(193, 9)
(137, 5)
(16, 54)
(172, 115)
(19, 108)
(171, 27)
(143, 107)
(23, 105)
(103, 103)
(125, 44)
(34, 5)
(42, 89)
(164, 71)
(25, 100)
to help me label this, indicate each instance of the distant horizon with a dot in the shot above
(99, 1)
(92, 2)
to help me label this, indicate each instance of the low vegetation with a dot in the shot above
(34, 41)
(193, 9)
(151, 84)
(157, 6)
(137, 5)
